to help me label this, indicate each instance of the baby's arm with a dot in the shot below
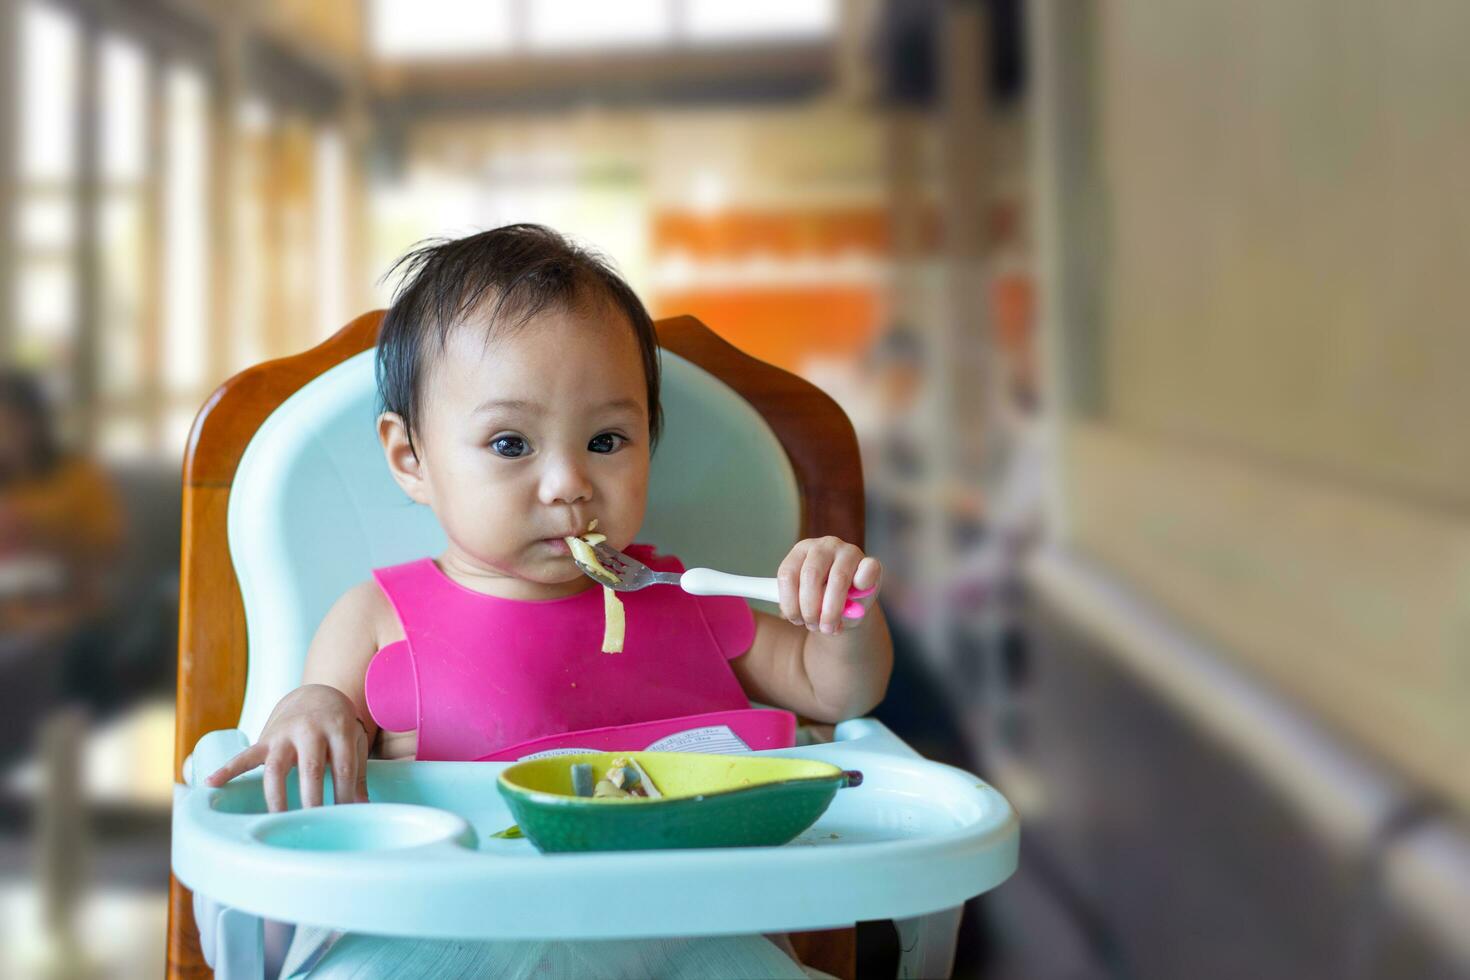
(325, 720)
(816, 663)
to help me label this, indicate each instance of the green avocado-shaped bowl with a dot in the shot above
(703, 801)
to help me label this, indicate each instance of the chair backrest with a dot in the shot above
(305, 423)
(314, 508)
(752, 459)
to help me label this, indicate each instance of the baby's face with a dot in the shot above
(528, 438)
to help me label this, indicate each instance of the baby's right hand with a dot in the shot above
(312, 724)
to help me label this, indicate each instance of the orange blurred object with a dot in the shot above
(824, 310)
(787, 232)
(785, 327)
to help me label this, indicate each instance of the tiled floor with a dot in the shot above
(118, 933)
(118, 926)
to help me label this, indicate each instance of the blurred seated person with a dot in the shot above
(60, 521)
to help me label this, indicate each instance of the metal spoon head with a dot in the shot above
(598, 576)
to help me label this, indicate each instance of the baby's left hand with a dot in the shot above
(814, 579)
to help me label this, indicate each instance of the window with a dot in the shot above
(49, 48)
(46, 266)
(130, 354)
(121, 224)
(564, 24)
(329, 193)
(124, 93)
(763, 20)
(441, 29)
(185, 310)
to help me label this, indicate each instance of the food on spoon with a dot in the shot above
(586, 557)
(614, 623)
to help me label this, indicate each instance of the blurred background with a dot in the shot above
(1151, 319)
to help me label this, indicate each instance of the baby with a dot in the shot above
(519, 378)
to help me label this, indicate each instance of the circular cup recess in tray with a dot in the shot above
(362, 827)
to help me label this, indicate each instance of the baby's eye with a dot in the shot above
(511, 447)
(606, 442)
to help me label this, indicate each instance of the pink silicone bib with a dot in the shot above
(480, 677)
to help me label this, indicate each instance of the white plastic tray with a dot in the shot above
(915, 838)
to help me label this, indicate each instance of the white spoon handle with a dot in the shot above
(707, 581)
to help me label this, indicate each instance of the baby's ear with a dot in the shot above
(403, 462)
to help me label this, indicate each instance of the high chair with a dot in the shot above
(287, 503)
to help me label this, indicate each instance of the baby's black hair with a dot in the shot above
(510, 273)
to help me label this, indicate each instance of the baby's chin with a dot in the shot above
(555, 571)
(536, 567)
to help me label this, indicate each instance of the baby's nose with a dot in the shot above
(564, 482)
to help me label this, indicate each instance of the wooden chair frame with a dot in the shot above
(817, 437)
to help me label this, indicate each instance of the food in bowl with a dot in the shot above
(703, 801)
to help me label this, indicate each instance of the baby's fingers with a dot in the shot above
(277, 764)
(344, 768)
(243, 762)
(788, 578)
(814, 572)
(834, 596)
(310, 768)
(364, 745)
